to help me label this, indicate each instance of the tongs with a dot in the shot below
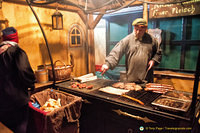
(145, 75)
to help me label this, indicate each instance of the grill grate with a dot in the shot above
(144, 96)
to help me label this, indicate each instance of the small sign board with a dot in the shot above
(174, 10)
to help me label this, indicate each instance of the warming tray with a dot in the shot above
(171, 104)
(181, 95)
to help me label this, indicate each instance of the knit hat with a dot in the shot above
(10, 34)
(140, 21)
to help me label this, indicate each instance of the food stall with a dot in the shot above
(107, 106)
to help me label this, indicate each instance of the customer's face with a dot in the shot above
(139, 31)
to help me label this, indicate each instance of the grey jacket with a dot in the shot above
(137, 53)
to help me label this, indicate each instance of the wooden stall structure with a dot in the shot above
(79, 22)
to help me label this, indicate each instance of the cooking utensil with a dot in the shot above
(145, 119)
(120, 92)
(145, 75)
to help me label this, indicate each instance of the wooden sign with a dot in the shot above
(173, 10)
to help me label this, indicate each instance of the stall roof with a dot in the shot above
(93, 6)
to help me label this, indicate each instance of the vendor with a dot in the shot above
(141, 50)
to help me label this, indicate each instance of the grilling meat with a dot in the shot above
(81, 85)
(118, 85)
(158, 88)
(127, 86)
(179, 95)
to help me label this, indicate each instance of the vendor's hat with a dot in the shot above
(140, 21)
(10, 34)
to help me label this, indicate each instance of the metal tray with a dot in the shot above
(180, 95)
(171, 104)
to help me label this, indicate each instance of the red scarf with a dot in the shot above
(12, 37)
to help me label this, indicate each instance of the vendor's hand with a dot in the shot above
(104, 68)
(150, 64)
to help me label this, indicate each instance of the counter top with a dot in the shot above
(40, 85)
(48, 84)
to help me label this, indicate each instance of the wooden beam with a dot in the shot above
(96, 21)
(83, 16)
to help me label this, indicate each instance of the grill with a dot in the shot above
(146, 97)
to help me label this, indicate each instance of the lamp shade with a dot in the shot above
(57, 21)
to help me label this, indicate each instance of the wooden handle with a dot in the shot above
(145, 119)
(134, 99)
(61, 62)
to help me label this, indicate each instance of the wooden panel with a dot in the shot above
(31, 38)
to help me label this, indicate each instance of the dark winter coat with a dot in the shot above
(16, 76)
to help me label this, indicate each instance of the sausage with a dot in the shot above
(89, 87)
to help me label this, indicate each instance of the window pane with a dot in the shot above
(78, 40)
(73, 32)
(193, 28)
(118, 31)
(150, 24)
(73, 40)
(171, 57)
(191, 57)
(77, 32)
(171, 28)
(60, 22)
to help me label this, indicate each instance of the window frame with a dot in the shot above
(75, 28)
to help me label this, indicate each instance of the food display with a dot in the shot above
(172, 104)
(180, 95)
(51, 105)
(86, 78)
(127, 86)
(158, 88)
(81, 85)
(112, 90)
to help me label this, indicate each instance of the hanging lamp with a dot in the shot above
(57, 20)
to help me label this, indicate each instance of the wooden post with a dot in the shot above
(145, 11)
(91, 49)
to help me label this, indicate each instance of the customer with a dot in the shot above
(141, 50)
(16, 76)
